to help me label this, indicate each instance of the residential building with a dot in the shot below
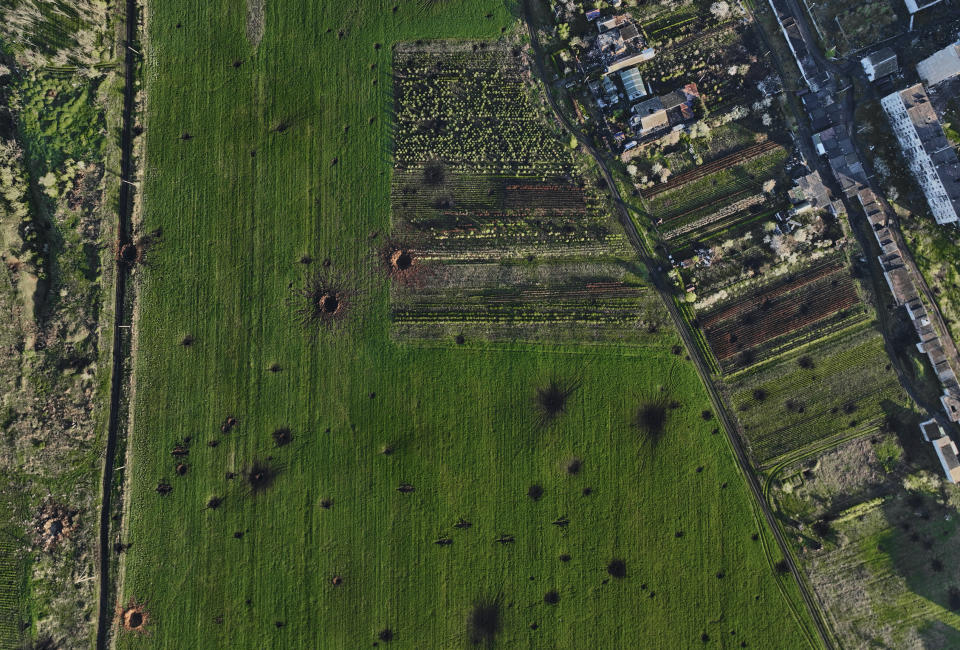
(809, 189)
(619, 44)
(941, 65)
(654, 114)
(651, 115)
(931, 159)
(947, 453)
(880, 64)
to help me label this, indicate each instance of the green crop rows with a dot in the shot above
(842, 385)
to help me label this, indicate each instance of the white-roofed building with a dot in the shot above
(633, 83)
(941, 65)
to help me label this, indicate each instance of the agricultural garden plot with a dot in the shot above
(718, 54)
(726, 181)
(467, 215)
(836, 388)
(780, 313)
(886, 572)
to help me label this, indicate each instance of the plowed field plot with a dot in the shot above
(840, 387)
(764, 322)
(483, 185)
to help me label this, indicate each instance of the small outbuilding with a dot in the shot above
(880, 64)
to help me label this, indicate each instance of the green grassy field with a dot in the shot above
(457, 420)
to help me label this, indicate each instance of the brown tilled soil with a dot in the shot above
(133, 617)
(53, 524)
(129, 254)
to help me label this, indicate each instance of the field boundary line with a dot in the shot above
(121, 331)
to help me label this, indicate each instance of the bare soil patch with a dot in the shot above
(53, 524)
(132, 618)
(255, 24)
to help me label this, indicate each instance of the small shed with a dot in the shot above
(633, 83)
(880, 64)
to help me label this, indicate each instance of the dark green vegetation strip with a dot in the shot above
(405, 472)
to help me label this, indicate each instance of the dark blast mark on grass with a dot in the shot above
(164, 488)
(650, 418)
(483, 621)
(552, 597)
(535, 492)
(617, 568)
(228, 424)
(187, 340)
(181, 469)
(551, 400)
(574, 465)
(385, 635)
(214, 503)
(282, 437)
(405, 488)
(322, 302)
(463, 524)
(434, 174)
(260, 476)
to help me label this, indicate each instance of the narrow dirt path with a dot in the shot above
(661, 284)
(121, 331)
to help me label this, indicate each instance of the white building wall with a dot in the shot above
(919, 162)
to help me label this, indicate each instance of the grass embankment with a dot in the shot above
(367, 415)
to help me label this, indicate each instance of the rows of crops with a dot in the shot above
(775, 315)
(713, 220)
(467, 107)
(717, 188)
(736, 158)
(765, 296)
(469, 217)
(9, 592)
(842, 385)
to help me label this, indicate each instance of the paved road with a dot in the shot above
(664, 289)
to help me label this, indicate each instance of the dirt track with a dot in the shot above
(121, 332)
